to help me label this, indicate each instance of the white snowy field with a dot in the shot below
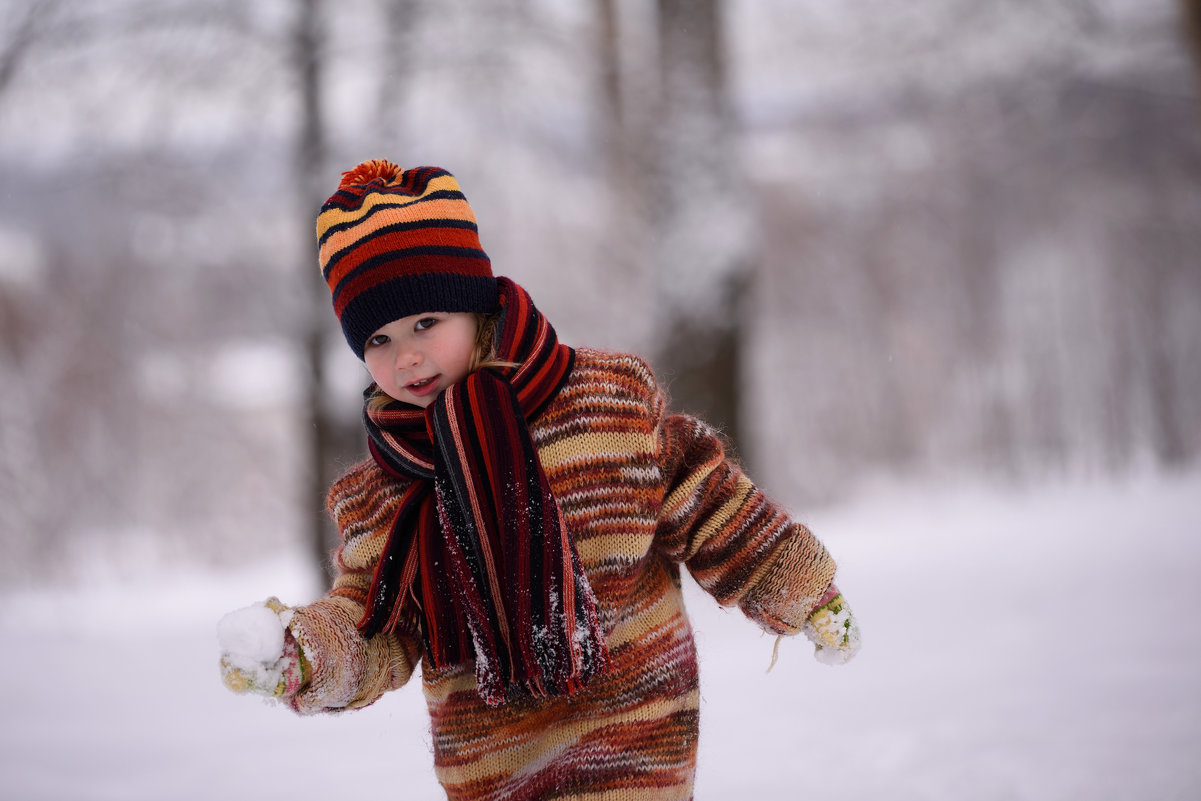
(1034, 645)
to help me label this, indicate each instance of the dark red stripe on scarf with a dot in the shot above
(479, 559)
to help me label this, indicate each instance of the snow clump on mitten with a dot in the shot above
(833, 630)
(252, 637)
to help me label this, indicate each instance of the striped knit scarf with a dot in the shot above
(479, 560)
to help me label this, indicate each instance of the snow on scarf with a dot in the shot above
(479, 560)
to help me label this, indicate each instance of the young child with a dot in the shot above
(519, 528)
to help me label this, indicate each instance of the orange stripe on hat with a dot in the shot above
(393, 243)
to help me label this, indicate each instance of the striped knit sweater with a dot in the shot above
(642, 492)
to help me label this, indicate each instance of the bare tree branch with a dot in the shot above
(27, 31)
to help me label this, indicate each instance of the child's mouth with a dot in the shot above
(417, 387)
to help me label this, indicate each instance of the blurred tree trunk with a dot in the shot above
(610, 56)
(400, 58)
(615, 116)
(1192, 32)
(310, 158)
(14, 317)
(1176, 452)
(1162, 262)
(701, 266)
(626, 121)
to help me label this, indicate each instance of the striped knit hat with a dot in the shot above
(394, 242)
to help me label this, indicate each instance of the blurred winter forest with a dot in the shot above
(866, 238)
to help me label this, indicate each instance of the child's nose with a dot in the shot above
(407, 357)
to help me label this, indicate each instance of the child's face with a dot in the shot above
(414, 358)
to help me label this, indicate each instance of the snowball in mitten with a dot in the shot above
(259, 655)
(832, 629)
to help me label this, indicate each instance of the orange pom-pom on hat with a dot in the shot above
(368, 171)
(393, 242)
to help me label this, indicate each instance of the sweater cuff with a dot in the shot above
(346, 671)
(799, 578)
(326, 634)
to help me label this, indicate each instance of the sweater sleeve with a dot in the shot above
(739, 546)
(345, 669)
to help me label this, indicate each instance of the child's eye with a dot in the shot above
(377, 340)
(425, 323)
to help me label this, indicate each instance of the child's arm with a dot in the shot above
(316, 659)
(318, 662)
(743, 549)
(346, 670)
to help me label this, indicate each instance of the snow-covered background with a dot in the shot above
(975, 232)
(1040, 645)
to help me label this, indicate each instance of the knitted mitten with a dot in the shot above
(259, 654)
(832, 629)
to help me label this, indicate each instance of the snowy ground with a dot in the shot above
(1016, 646)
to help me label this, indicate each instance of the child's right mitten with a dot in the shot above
(832, 629)
(258, 653)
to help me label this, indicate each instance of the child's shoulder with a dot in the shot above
(626, 374)
(361, 491)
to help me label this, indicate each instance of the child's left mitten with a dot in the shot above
(258, 653)
(832, 628)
